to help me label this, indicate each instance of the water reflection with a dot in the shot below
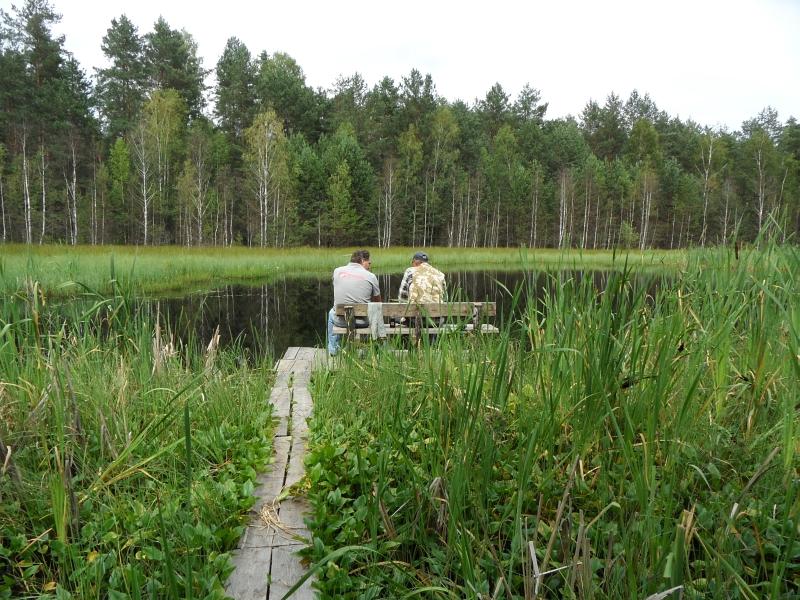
(292, 311)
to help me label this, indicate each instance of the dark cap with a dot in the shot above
(421, 256)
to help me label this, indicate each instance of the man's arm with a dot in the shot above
(405, 284)
(376, 298)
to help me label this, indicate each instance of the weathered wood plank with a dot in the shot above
(296, 469)
(392, 331)
(303, 405)
(286, 571)
(281, 400)
(443, 309)
(292, 514)
(249, 580)
(257, 536)
(271, 482)
(283, 365)
(266, 564)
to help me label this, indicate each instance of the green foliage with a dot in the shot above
(172, 64)
(636, 439)
(628, 237)
(424, 170)
(121, 86)
(235, 93)
(108, 495)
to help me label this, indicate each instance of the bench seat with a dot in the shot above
(462, 317)
(364, 332)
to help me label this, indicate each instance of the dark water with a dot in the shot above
(292, 311)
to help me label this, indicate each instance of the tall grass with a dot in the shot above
(126, 461)
(164, 269)
(611, 444)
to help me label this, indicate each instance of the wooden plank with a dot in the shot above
(291, 352)
(292, 514)
(295, 469)
(270, 484)
(286, 571)
(266, 564)
(392, 331)
(284, 365)
(442, 309)
(258, 536)
(281, 427)
(250, 577)
(308, 353)
(302, 404)
(281, 400)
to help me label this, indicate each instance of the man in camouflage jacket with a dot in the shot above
(421, 282)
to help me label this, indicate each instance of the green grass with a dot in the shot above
(635, 440)
(165, 269)
(126, 462)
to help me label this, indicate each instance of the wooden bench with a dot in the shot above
(456, 316)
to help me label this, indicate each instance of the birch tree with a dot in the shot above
(264, 155)
(164, 114)
(386, 207)
(3, 154)
(410, 164)
(143, 156)
(193, 186)
(26, 189)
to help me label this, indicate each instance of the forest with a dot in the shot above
(158, 149)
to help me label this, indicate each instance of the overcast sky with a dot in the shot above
(718, 62)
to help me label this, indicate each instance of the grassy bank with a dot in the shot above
(126, 463)
(163, 269)
(617, 445)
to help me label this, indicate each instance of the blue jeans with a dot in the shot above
(334, 339)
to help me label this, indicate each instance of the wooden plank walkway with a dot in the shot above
(266, 564)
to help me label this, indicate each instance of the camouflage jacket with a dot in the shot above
(427, 285)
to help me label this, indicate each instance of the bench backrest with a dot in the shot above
(442, 309)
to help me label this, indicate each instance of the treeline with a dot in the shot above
(142, 152)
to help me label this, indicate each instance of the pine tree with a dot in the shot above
(121, 87)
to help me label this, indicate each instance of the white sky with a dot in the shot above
(718, 62)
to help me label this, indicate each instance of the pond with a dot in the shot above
(291, 311)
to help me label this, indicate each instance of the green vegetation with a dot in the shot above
(617, 445)
(126, 461)
(130, 152)
(143, 269)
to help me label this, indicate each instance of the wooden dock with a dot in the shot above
(266, 562)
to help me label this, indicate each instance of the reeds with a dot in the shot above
(633, 441)
(127, 461)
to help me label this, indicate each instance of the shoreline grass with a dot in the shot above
(67, 270)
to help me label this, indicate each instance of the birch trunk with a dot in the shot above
(534, 211)
(3, 206)
(476, 215)
(43, 171)
(26, 191)
(706, 162)
(562, 209)
(586, 207)
(451, 231)
(725, 217)
(72, 198)
(761, 188)
(141, 153)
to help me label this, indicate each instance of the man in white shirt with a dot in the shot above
(352, 284)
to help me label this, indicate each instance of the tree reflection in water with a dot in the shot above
(292, 311)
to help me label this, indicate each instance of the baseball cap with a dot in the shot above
(421, 256)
